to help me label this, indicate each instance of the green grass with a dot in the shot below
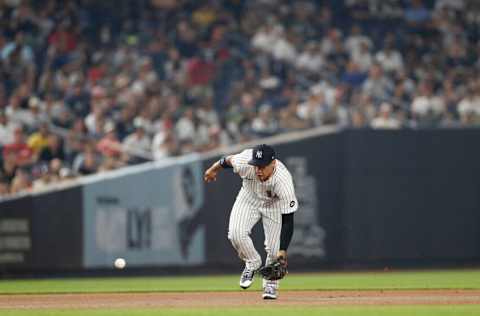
(451, 279)
(468, 310)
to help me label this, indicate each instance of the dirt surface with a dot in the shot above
(232, 299)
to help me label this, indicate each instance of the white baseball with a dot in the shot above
(120, 263)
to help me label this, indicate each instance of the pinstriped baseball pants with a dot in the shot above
(243, 217)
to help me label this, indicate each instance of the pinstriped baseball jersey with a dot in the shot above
(277, 193)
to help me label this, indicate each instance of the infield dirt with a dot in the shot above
(232, 299)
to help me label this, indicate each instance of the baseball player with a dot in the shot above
(268, 194)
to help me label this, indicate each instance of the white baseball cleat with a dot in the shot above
(269, 293)
(246, 279)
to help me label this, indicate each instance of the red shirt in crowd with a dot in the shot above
(22, 152)
(64, 41)
(200, 72)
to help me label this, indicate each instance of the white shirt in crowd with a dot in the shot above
(20, 116)
(469, 105)
(385, 123)
(391, 61)
(6, 133)
(450, 4)
(134, 144)
(160, 148)
(354, 43)
(185, 129)
(284, 50)
(266, 38)
(310, 61)
(363, 59)
(421, 105)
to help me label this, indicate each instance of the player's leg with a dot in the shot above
(242, 219)
(272, 226)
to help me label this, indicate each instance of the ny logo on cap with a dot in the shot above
(259, 154)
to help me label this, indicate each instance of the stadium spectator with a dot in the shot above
(87, 161)
(53, 150)
(426, 106)
(290, 120)
(377, 84)
(6, 130)
(21, 182)
(4, 187)
(385, 119)
(390, 59)
(19, 149)
(88, 165)
(137, 145)
(313, 110)
(109, 145)
(469, 106)
(196, 74)
(39, 140)
(9, 167)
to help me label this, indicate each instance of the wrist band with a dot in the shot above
(224, 163)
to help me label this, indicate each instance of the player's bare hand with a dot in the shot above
(210, 175)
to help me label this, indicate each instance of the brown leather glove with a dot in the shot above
(277, 269)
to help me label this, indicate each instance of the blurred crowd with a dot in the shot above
(88, 86)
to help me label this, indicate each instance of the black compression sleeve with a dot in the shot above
(287, 231)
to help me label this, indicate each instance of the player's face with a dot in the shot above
(263, 173)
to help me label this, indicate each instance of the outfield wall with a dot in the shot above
(367, 199)
(41, 232)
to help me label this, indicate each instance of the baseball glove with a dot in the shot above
(276, 270)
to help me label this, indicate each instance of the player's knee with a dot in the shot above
(237, 236)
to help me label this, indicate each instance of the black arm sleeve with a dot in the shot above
(287, 231)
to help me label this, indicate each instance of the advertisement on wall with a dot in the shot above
(140, 218)
(41, 231)
(309, 238)
(15, 235)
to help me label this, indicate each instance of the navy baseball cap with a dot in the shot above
(262, 155)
